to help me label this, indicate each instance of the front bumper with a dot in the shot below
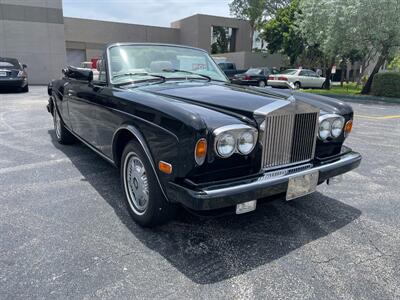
(13, 82)
(265, 185)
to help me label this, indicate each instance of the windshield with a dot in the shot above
(289, 72)
(9, 63)
(141, 62)
(253, 71)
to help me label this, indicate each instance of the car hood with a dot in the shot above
(238, 99)
(224, 96)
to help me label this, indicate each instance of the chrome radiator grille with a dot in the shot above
(289, 139)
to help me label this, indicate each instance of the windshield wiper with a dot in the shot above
(187, 72)
(139, 74)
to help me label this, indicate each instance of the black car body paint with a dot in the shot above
(172, 116)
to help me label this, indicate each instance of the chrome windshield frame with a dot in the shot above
(109, 47)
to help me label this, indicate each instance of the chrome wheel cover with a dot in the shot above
(261, 84)
(57, 124)
(136, 184)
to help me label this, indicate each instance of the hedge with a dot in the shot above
(386, 84)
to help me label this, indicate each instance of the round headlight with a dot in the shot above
(246, 142)
(226, 145)
(324, 130)
(337, 127)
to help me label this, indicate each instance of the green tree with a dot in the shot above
(394, 63)
(325, 23)
(339, 26)
(251, 10)
(256, 12)
(281, 34)
(379, 26)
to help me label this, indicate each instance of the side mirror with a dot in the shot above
(79, 73)
(24, 66)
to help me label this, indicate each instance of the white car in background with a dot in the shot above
(300, 78)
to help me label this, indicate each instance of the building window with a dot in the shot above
(223, 39)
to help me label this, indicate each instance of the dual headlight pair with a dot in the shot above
(332, 126)
(234, 139)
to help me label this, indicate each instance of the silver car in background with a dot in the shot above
(300, 78)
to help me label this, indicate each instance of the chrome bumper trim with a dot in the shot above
(268, 180)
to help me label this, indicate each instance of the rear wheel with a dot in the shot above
(62, 134)
(261, 83)
(144, 198)
(323, 86)
(297, 85)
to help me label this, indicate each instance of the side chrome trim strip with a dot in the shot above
(145, 148)
(92, 147)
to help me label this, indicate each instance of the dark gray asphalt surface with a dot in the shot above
(65, 233)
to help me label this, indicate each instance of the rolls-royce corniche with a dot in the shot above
(182, 134)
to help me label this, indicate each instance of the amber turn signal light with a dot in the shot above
(200, 151)
(165, 167)
(348, 127)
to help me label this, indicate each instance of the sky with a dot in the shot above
(145, 12)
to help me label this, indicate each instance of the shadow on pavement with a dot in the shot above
(209, 250)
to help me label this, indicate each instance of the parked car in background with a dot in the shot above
(229, 69)
(13, 74)
(253, 76)
(300, 78)
(181, 133)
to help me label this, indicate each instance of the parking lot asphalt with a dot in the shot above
(65, 233)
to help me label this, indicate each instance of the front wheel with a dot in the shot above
(261, 83)
(144, 198)
(62, 134)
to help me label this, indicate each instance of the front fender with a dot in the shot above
(161, 145)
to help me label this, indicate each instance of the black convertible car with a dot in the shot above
(180, 133)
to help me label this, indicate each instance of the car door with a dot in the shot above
(105, 109)
(302, 77)
(81, 107)
(316, 80)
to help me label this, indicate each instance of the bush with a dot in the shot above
(386, 84)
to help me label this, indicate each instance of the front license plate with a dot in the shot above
(302, 185)
(3, 74)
